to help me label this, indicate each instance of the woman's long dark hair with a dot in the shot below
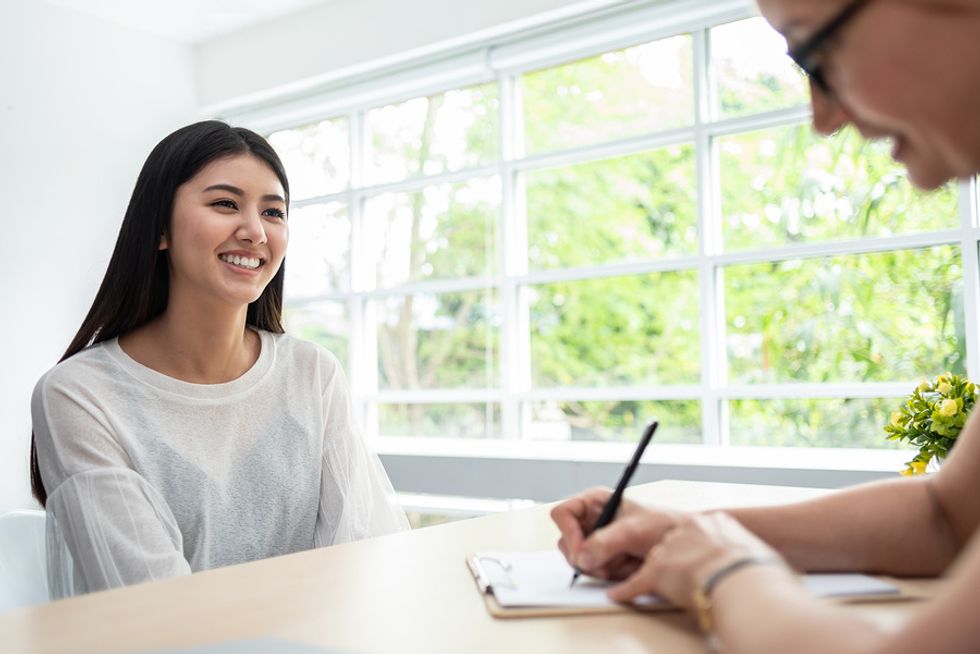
(136, 285)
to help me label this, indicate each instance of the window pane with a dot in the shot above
(616, 331)
(325, 323)
(316, 157)
(752, 71)
(437, 341)
(790, 185)
(637, 207)
(441, 232)
(680, 420)
(318, 257)
(862, 318)
(812, 423)
(440, 420)
(434, 134)
(618, 94)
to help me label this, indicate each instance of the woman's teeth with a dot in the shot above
(244, 262)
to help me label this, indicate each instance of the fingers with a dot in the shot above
(633, 535)
(643, 580)
(575, 516)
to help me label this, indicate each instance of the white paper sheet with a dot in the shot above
(540, 579)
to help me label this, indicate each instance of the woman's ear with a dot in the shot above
(163, 242)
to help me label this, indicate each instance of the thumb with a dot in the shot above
(630, 535)
(641, 582)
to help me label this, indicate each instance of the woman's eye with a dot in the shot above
(278, 213)
(228, 204)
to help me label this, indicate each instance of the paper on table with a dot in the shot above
(540, 579)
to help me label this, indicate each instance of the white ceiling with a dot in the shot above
(189, 21)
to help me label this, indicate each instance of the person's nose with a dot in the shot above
(829, 114)
(251, 228)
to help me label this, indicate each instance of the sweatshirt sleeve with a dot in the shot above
(107, 526)
(356, 497)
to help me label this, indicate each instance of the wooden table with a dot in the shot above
(407, 592)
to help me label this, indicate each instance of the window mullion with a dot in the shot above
(709, 244)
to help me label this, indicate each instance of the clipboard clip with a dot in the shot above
(502, 578)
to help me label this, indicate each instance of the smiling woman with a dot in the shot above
(907, 70)
(182, 430)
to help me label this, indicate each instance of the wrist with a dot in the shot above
(713, 574)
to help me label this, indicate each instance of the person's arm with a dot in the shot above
(901, 527)
(702, 545)
(356, 497)
(107, 526)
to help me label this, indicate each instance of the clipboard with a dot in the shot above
(494, 575)
(499, 575)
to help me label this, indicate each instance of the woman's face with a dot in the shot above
(905, 70)
(228, 232)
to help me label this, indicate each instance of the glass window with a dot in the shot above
(589, 258)
(433, 134)
(646, 88)
(318, 256)
(890, 316)
(615, 421)
(441, 232)
(846, 423)
(440, 420)
(752, 71)
(616, 331)
(316, 157)
(631, 208)
(790, 185)
(430, 341)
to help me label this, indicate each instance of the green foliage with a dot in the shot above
(834, 319)
(932, 418)
(833, 422)
(646, 204)
(615, 331)
(614, 95)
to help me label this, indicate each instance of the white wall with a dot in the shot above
(347, 34)
(82, 102)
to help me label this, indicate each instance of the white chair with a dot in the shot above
(23, 567)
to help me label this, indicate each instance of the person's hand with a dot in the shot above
(699, 545)
(618, 549)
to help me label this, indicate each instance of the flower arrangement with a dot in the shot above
(932, 418)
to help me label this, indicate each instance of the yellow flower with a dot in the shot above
(897, 418)
(918, 467)
(944, 388)
(948, 408)
(923, 386)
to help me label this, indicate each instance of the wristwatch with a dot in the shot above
(702, 595)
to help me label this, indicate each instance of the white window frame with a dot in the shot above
(511, 467)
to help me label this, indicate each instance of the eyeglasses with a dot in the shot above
(807, 54)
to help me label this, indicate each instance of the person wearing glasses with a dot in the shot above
(909, 71)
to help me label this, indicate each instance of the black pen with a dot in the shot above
(612, 505)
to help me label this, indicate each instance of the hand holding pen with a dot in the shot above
(612, 505)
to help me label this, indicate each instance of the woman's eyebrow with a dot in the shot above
(240, 193)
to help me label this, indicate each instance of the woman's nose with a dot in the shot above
(829, 115)
(251, 228)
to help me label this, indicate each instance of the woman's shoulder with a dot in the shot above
(82, 369)
(299, 350)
